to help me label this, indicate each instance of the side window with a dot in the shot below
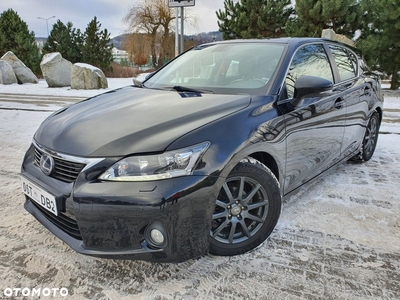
(309, 60)
(345, 61)
(363, 66)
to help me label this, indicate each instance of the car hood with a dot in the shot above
(132, 120)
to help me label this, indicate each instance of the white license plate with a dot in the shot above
(39, 195)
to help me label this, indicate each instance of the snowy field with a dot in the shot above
(337, 238)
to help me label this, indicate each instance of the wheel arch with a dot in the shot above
(268, 160)
(380, 112)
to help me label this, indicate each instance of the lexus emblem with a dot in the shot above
(46, 164)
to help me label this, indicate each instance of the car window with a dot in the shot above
(346, 62)
(228, 68)
(309, 60)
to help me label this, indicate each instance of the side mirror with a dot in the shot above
(141, 77)
(149, 75)
(307, 85)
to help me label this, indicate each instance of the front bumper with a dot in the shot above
(109, 219)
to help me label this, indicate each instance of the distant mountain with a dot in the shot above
(200, 38)
(118, 41)
(204, 37)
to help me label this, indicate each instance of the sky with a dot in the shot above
(109, 13)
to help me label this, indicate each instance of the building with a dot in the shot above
(120, 56)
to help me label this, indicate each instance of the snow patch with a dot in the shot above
(49, 57)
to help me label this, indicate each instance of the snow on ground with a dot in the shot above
(42, 88)
(338, 237)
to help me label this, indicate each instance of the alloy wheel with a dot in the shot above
(241, 209)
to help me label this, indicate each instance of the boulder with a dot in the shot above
(7, 75)
(87, 77)
(22, 72)
(56, 70)
(332, 35)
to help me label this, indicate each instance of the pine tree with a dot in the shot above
(254, 18)
(66, 40)
(96, 49)
(380, 38)
(15, 37)
(312, 16)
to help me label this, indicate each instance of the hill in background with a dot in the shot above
(204, 37)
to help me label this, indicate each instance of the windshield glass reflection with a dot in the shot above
(221, 68)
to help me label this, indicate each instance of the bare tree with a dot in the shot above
(138, 47)
(153, 18)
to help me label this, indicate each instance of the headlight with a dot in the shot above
(175, 163)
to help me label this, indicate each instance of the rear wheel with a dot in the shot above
(370, 139)
(247, 209)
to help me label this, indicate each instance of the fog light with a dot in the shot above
(157, 236)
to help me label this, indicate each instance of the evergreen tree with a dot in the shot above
(96, 49)
(15, 37)
(66, 40)
(312, 16)
(254, 18)
(380, 38)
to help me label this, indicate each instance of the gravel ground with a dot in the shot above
(338, 237)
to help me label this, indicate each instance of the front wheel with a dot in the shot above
(247, 209)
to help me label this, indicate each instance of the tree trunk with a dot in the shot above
(153, 48)
(395, 83)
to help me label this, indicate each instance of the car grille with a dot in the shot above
(64, 170)
(63, 222)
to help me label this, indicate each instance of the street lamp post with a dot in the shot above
(47, 25)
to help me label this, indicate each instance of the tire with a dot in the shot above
(370, 139)
(247, 209)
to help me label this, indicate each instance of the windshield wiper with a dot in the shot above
(180, 88)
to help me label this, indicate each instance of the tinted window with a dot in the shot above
(363, 66)
(345, 61)
(309, 60)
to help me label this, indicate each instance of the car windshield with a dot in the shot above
(227, 68)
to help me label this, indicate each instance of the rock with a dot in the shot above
(56, 70)
(22, 72)
(7, 75)
(332, 35)
(87, 77)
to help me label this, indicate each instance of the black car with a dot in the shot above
(197, 158)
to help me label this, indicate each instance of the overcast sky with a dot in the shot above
(109, 12)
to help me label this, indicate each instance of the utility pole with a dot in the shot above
(182, 4)
(182, 29)
(176, 31)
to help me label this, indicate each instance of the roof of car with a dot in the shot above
(286, 40)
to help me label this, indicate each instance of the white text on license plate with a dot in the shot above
(40, 196)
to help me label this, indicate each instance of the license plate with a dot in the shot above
(39, 195)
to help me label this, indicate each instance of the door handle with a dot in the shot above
(339, 103)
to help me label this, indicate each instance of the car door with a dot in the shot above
(351, 88)
(315, 126)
